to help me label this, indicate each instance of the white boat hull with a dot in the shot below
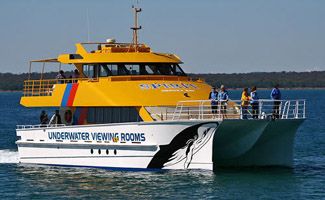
(161, 145)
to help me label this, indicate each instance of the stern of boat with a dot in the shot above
(248, 143)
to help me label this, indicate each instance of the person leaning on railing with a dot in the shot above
(61, 76)
(244, 103)
(276, 97)
(254, 102)
(213, 96)
(44, 118)
(75, 75)
(223, 99)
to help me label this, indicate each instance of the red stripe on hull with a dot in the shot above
(72, 94)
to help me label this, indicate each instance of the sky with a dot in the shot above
(210, 36)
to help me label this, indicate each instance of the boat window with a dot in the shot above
(122, 70)
(114, 69)
(165, 69)
(133, 69)
(100, 115)
(178, 70)
(88, 70)
(91, 70)
(152, 70)
(105, 69)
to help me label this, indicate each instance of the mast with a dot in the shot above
(136, 27)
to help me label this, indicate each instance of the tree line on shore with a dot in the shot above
(314, 79)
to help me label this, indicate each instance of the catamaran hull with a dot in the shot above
(162, 145)
(255, 143)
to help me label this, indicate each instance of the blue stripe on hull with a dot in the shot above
(66, 94)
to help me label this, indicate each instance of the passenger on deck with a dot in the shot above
(61, 76)
(76, 74)
(44, 118)
(56, 118)
(276, 97)
(254, 103)
(244, 103)
(213, 96)
(223, 99)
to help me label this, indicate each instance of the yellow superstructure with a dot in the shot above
(116, 75)
(119, 90)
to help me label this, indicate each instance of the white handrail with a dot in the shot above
(287, 109)
(21, 127)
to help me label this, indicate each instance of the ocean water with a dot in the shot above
(306, 180)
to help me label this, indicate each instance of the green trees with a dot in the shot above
(315, 79)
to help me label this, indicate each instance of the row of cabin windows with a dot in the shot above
(104, 69)
(102, 115)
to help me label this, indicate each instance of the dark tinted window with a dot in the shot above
(101, 115)
(104, 69)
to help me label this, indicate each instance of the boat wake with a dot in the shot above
(8, 156)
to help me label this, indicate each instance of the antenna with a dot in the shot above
(136, 27)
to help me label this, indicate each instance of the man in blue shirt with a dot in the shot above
(276, 97)
(213, 96)
(223, 98)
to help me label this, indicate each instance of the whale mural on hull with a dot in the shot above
(184, 146)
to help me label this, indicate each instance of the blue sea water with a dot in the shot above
(306, 180)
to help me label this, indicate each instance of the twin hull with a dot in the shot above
(162, 145)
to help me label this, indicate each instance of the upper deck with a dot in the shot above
(116, 74)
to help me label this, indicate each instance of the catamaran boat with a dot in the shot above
(132, 108)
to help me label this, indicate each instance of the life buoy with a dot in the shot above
(66, 116)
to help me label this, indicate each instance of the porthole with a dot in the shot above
(115, 152)
(99, 152)
(91, 151)
(107, 152)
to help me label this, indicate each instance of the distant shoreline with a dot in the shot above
(236, 81)
(11, 91)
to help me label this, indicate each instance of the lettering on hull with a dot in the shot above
(97, 136)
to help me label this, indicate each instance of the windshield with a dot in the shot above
(120, 69)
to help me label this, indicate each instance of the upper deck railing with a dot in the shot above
(45, 87)
(233, 109)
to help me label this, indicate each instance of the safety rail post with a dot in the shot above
(260, 109)
(289, 104)
(32, 88)
(175, 111)
(284, 109)
(201, 110)
(297, 109)
(304, 111)
(219, 110)
(188, 112)
(280, 107)
(40, 88)
(24, 90)
(180, 112)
